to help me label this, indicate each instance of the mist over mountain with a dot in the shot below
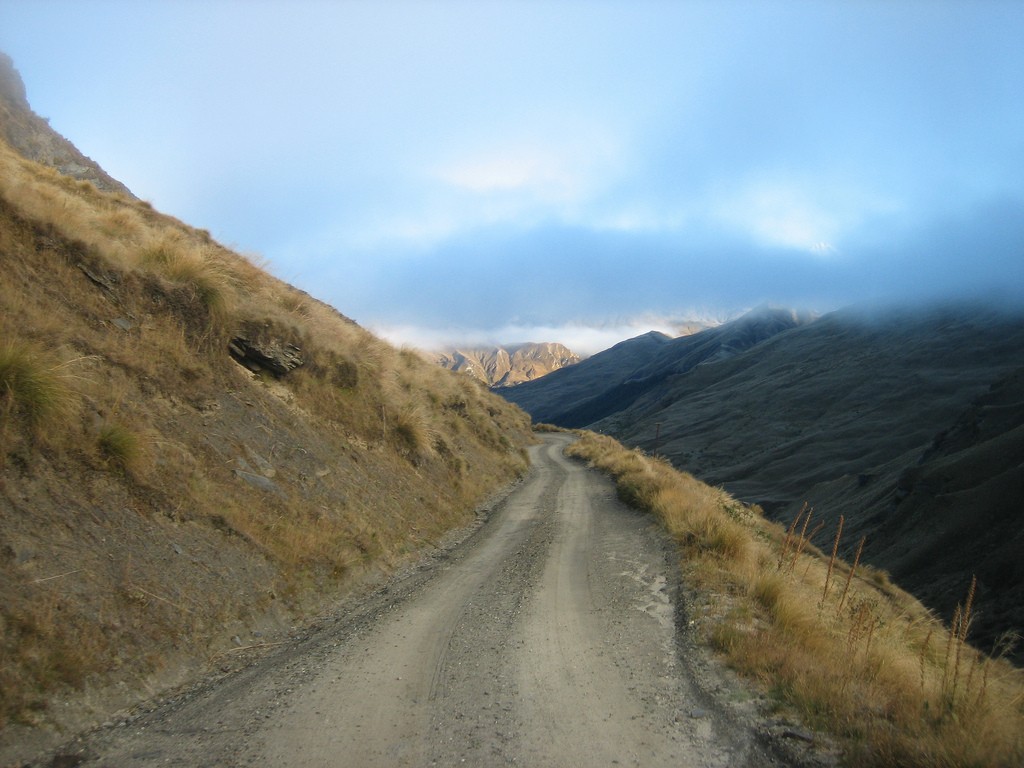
(582, 336)
(906, 422)
(611, 380)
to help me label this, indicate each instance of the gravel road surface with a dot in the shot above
(549, 636)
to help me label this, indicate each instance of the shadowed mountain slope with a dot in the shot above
(612, 380)
(966, 491)
(904, 423)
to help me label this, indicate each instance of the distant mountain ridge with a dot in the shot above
(611, 380)
(508, 366)
(907, 423)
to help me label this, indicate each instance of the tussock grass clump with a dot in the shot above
(543, 427)
(413, 432)
(696, 514)
(195, 268)
(33, 385)
(121, 446)
(840, 645)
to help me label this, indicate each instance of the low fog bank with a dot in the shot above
(588, 339)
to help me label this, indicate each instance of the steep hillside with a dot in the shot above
(611, 380)
(889, 421)
(32, 137)
(193, 454)
(508, 366)
(964, 493)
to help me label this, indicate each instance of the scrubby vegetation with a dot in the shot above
(853, 654)
(157, 497)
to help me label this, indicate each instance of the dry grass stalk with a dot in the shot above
(961, 629)
(850, 572)
(832, 560)
(804, 539)
(924, 655)
(789, 535)
(810, 538)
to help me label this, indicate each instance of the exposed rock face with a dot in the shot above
(32, 136)
(273, 355)
(509, 366)
(12, 88)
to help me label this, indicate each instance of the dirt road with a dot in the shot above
(547, 638)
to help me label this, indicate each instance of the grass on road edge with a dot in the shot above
(854, 655)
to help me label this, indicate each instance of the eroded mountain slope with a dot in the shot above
(508, 366)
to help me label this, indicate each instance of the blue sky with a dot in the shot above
(577, 171)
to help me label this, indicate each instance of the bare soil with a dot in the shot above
(553, 634)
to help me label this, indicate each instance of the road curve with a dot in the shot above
(548, 638)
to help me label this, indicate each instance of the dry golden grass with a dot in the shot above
(196, 268)
(865, 662)
(126, 425)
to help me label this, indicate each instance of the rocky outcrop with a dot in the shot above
(32, 137)
(271, 355)
(12, 88)
(508, 366)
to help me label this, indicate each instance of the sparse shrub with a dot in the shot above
(41, 650)
(345, 375)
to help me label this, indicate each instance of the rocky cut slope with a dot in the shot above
(193, 454)
(905, 423)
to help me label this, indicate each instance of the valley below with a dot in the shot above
(554, 634)
(907, 424)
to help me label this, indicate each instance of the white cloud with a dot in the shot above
(582, 338)
(538, 173)
(783, 214)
